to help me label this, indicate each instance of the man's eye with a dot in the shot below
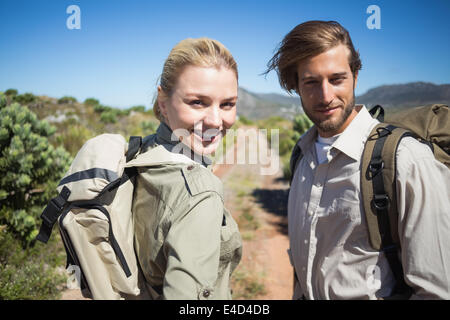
(337, 80)
(311, 82)
(228, 105)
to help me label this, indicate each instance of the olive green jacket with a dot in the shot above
(187, 243)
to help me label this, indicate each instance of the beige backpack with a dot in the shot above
(93, 210)
(94, 215)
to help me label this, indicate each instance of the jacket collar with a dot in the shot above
(165, 137)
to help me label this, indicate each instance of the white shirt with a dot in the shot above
(329, 244)
(323, 146)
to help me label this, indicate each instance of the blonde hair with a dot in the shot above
(201, 52)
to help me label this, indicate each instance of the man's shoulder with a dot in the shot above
(412, 149)
(411, 153)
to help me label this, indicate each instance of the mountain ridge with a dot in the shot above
(393, 97)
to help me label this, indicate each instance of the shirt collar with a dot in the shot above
(308, 138)
(164, 137)
(351, 141)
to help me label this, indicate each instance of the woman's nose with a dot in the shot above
(213, 118)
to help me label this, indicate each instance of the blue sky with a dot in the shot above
(118, 53)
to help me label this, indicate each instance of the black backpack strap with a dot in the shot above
(134, 145)
(51, 213)
(296, 156)
(379, 196)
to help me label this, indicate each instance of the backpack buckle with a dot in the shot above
(383, 132)
(380, 201)
(376, 166)
(54, 207)
(51, 212)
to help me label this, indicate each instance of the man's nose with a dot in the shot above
(213, 118)
(326, 92)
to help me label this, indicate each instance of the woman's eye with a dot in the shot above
(196, 102)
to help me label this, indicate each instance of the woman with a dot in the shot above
(186, 242)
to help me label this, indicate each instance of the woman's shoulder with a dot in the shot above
(191, 179)
(200, 179)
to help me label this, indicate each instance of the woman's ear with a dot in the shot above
(161, 100)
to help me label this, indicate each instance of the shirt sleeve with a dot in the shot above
(192, 247)
(423, 193)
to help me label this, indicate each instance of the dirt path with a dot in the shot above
(258, 203)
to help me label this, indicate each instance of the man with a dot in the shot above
(329, 242)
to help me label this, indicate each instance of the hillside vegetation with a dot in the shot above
(39, 137)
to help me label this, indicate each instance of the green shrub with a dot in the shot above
(91, 102)
(73, 138)
(122, 112)
(99, 108)
(11, 92)
(30, 168)
(3, 100)
(67, 100)
(25, 98)
(137, 108)
(149, 127)
(108, 116)
(302, 123)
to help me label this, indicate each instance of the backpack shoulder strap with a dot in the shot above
(296, 156)
(378, 188)
(134, 145)
(378, 182)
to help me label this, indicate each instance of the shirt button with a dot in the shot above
(206, 293)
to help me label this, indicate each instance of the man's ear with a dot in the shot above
(161, 100)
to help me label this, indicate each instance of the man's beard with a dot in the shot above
(331, 125)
